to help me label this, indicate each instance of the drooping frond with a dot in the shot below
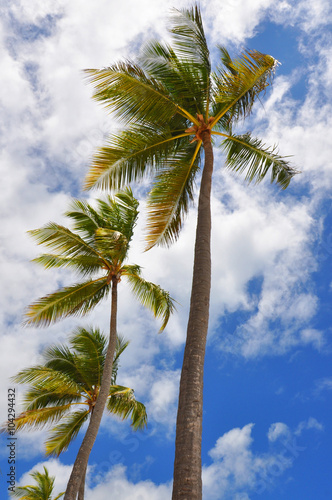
(64, 433)
(245, 153)
(151, 296)
(132, 154)
(236, 89)
(122, 402)
(171, 196)
(37, 419)
(78, 299)
(86, 219)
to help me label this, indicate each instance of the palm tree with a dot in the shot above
(174, 108)
(42, 491)
(68, 378)
(96, 250)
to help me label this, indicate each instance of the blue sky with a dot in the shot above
(268, 381)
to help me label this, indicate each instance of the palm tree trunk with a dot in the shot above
(81, 490)
(187, 484)
(82, 458)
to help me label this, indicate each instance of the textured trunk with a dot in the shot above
(81, 490)
(82, 458)
(187, 483)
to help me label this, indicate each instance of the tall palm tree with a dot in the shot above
(96, 249)
(42, 491)
(69, 379)
(175, 107)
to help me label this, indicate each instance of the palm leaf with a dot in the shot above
(170, 197)
(63, 434)
(132, 154)
(236, 89)
(84, 265)
(37, 419)
(245, 153)
(78, 299)
(151, 296)
(122, 403)
(132, 95)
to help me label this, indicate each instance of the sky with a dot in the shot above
(268, 380)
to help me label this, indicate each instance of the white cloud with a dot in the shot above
(237, 471)
(277, 430)
(311, 423)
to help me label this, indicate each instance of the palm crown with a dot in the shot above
(41, 491)
(167, 101)
(96, 249)
(64, 389)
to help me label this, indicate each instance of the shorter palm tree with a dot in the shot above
(63, 390)
(42, 491)
(96, 250)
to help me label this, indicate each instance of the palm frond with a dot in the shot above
(186, 82)
(132, 154)
(236, 89)
(89, 345)
(41, 491)
(62, 241)
(171, 196)
(245, 153)
(78, 299)
(112, 244)
(63, 434)
(56, 380)
(189, 39)
(37, 419)
(151, 296)
(126, 90)
(84, 265)
(122, 402)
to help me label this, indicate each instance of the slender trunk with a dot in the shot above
(187, 483)
(81, 490)
(82, 458)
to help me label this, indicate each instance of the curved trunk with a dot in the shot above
(187, 483)
(82, 458)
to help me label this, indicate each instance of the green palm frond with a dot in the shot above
(122, 403)
(90, 347)
(41, 417)
(133, 154)
(63, 434)
(185, 82)
(245, 153)
(189, 39)
(86, 219)
(62, 241)
(112, 244)
(78, 299)
(236, 89)
(84, 265)
(57, 381)
(41, 491)
(171, 196)
(126, 90)
(151, 296)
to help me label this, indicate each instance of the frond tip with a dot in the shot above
(245, 153)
